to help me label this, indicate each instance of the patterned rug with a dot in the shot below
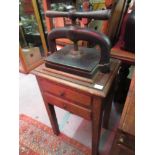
(38, 139)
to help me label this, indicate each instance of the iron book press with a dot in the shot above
(74, 59)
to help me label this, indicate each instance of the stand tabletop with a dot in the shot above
(98, 86)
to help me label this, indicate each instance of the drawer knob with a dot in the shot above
(62, 94)
(121, 139)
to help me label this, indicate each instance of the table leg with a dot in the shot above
(53, 119)
(96, 124)
(107, 105)
(51, 112)
(107, 111)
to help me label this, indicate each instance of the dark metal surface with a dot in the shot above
(75, 34)
(87, 58)
(84, 63)
(98, 15)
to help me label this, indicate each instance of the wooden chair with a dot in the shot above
(118, 51)
(114, 28)
(116, 31)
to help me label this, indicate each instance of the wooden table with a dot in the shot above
(78, 95)
(124, 142)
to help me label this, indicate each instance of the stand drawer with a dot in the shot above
(66, 93)
(64, 104)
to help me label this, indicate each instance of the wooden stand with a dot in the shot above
(85, 99)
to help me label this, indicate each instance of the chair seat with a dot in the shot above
(124, 56)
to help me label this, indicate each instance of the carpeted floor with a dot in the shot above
(37, 138)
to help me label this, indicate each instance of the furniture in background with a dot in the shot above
(56, 22)
(123, 38)
(58, 5)
(32, 37)
(124, 141)
(84, 97)
(123, 41)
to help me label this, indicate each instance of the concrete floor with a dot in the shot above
(31, 104)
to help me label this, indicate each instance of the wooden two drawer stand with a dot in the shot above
(83, 97)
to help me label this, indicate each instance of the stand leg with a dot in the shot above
(108, 104)
(96, 124)
(53, 119)
(107, 110)
(50, 111)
